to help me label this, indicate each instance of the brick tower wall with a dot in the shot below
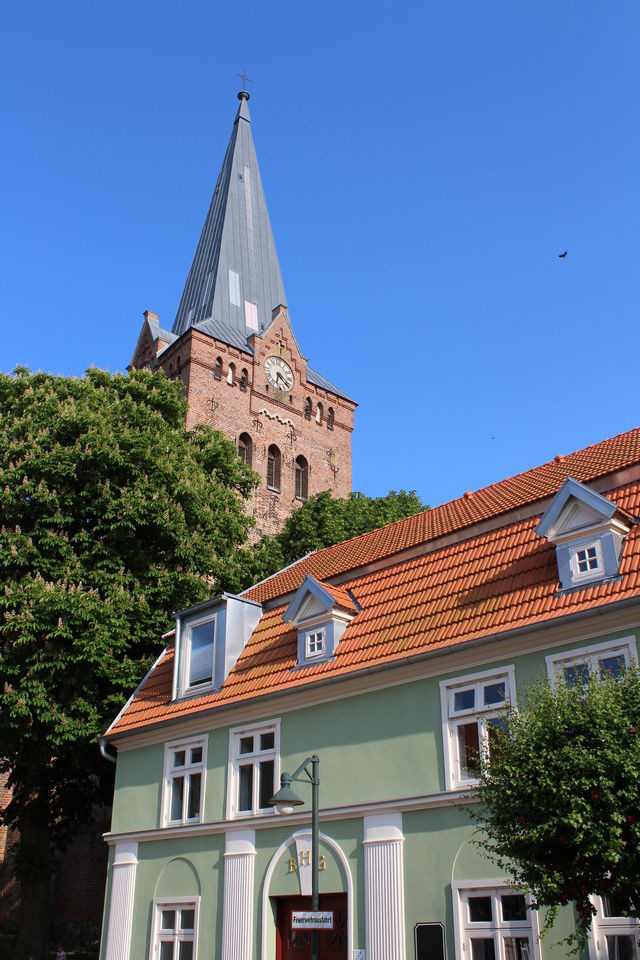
(266, 416)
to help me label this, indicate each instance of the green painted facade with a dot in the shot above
(377, 747)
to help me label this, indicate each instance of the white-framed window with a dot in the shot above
(615, 934)
(586, 561)
(185, 763)
(174, 931)
(314, 644)
(606, 659)
(254, 769)
(471, 712)
(494, 921)
(198, 650)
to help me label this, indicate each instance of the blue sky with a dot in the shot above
(424, 165)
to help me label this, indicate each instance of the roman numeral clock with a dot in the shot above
(279, 374)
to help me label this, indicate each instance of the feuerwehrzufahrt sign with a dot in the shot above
(312, 919)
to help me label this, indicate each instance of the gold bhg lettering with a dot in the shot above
(305, 861)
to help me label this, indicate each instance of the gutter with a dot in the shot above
(111, 757)
(379, 668)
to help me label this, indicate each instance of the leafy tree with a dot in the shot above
(112, 515)
(320, 522)
(561, 795)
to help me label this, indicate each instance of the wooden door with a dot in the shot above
(296, 944)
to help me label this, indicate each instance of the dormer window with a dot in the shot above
(587, 561)
(315, 644)
(209, 639)
(588, 532)
(321, 614)
(198, 653)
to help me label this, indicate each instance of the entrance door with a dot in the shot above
(296, 944)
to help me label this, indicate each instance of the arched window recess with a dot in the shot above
(274, 463)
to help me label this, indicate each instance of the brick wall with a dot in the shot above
(267, 417)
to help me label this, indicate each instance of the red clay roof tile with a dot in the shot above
(492, 582)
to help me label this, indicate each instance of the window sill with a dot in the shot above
(195, 692)
(249, 814)
(584, 584)
(174, 824)
(273, 489)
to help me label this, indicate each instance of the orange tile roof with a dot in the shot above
(487, 584)
(342, 598)
(598, 460)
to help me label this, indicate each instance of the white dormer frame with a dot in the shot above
(584, 526)
(234, 619)
(314, 611)
(184, 665)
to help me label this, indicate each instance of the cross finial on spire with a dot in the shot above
(245, 79)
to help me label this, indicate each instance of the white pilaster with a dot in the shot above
(123, 883)
(384, 887)
(237, 909)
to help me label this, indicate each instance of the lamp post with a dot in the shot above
(284, 801)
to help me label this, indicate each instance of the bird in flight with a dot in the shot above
(562, 255)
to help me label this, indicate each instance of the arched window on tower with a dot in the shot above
(244, 379)
(217, 370)
(307, 409)
(330, 418)
(273, 468)
(302, 478)
(245, 449)
(319, 413)
(231, 376)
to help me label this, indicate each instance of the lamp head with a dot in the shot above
(285, 799)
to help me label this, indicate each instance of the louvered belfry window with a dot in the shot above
(302, 478)
(217, 370)
(245, 448)
(273, 468)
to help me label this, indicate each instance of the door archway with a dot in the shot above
(266, 886)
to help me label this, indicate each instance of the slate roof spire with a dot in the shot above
(235, 276)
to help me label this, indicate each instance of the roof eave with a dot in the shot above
(332, 679)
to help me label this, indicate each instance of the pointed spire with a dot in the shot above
(235, 276)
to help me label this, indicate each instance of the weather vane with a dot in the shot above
(245, 79)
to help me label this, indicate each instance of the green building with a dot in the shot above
(391, 657)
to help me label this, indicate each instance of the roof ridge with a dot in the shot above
(481, 496)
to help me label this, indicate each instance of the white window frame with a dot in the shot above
(236, 759)
(185, 688)
(454, 778)
(597, 572)
(320, 634)
(591, 655)
(603, 927)
(463, 928)
(166, 903)
(170, 773)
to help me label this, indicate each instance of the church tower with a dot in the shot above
(233, 347)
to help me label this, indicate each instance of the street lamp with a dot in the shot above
(284, 801)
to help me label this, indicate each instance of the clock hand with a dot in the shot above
(280, 378)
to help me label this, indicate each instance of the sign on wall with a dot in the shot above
(312, 919)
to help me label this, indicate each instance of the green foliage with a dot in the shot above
(112, 516)
(320, 522)
(561, 796)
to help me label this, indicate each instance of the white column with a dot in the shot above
(123, 883)
(237, 909)
(384, 887)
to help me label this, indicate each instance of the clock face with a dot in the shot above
(279, 373)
